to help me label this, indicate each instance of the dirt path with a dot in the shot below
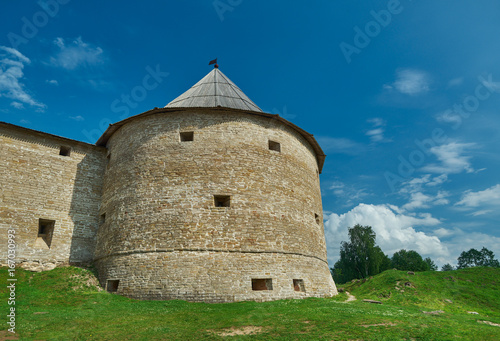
(350, 297)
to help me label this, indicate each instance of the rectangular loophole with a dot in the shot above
(187, 136)
(64, 151)
(102, 219)
(298, 285)
(316, 217)
(222, 201)
(262, 284)
(112, 285)
(45, 232)
(276, 146)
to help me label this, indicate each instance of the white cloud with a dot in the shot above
(376, 134)
(411, 82)
(416, 187)
(481, 212)
(418, 200)
(52, 81)
(442, 232)
(17, 105)
(376, 121)
(77, 118)
(438, 180)
(488, 197)
(449, 116)
(12, 63)
(452, 159)
(394, 230)
(76, 54)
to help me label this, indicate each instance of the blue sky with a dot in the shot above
(403, 96)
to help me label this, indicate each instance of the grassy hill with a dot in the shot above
(66, 304)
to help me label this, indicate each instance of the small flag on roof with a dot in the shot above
(213, 61)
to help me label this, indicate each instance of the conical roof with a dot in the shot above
(212, 91)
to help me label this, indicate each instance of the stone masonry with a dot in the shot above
(213, 204)
(40, 184)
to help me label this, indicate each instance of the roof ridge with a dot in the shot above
(215, 85)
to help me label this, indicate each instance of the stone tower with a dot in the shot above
(211, 199)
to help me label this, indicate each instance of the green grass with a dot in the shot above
(73, 309)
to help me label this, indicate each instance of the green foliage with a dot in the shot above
(447, 267)
(64, 304)
(430, 264)
(360, 257)
(474, 258)
(410, 261)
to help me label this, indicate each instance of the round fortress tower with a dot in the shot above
(211, 199)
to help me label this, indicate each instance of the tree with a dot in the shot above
(447, 267)
(409, 261)
(360, 257)
(431, 265)
(474, 258)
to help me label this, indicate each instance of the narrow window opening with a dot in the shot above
(222, 201)
(262, 284)
(45, 232)
(108, 157)
(112, 285)
(276, 146)
(64, 151)
(102, 220)
(298, 285)
(316, 217)
(187, 136)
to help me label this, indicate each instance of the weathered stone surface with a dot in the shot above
(38, 183)
(143, 207)
(158, 200)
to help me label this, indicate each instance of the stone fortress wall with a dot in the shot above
(208, 199)
(51, 200)
(162, 235)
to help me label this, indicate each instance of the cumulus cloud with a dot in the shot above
(451, 158)
(489, 197)
(52, 81)
(410, 82)
(12, 63)
(394, 230)
(76, 54)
